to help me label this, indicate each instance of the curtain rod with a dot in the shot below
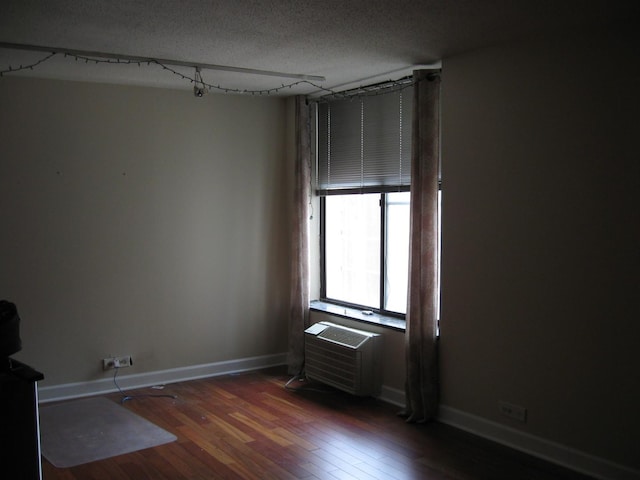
(164, 61)
(374, 89)
(383, 77)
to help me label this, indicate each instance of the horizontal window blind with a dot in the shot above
(364, 143)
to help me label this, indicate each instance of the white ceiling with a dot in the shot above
(350, 43)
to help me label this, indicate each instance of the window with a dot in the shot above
(396, 252)
(363, 175)
(366, 250)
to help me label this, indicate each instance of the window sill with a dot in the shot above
(357, 315)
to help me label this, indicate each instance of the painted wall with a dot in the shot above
(540, 239)
(142, 221)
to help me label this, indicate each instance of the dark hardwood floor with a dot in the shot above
(249, 426)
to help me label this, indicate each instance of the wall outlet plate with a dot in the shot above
(117, 362)
(510, 410)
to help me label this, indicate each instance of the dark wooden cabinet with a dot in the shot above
(19, 424)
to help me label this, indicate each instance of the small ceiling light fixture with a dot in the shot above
(199, 88)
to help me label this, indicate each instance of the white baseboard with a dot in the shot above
(537, 446)
(392, 396)
(139, 380)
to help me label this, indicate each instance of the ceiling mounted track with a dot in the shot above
(163, 61)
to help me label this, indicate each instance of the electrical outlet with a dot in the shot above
(117, 362)
(123, 361)
(513, 411)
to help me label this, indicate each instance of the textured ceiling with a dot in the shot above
(348, 42)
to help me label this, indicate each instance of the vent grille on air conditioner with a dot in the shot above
(348, 338)
(343, 357)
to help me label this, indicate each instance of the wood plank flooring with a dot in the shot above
(249, 426)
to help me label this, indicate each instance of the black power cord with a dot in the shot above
(126, 397)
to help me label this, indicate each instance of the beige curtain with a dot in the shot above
(299, 307)
(421, 341)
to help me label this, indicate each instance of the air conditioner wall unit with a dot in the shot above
(343, 357)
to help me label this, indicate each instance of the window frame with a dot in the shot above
(383, 195)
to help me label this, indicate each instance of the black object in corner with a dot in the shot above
(10, 342)
(19, 424)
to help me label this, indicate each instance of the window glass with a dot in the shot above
(352, 249)
(397, 252)
(354, 238)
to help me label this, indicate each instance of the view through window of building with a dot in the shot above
(366, 249)
(397, 252)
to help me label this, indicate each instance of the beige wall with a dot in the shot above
(142, 221)
(540, 239)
